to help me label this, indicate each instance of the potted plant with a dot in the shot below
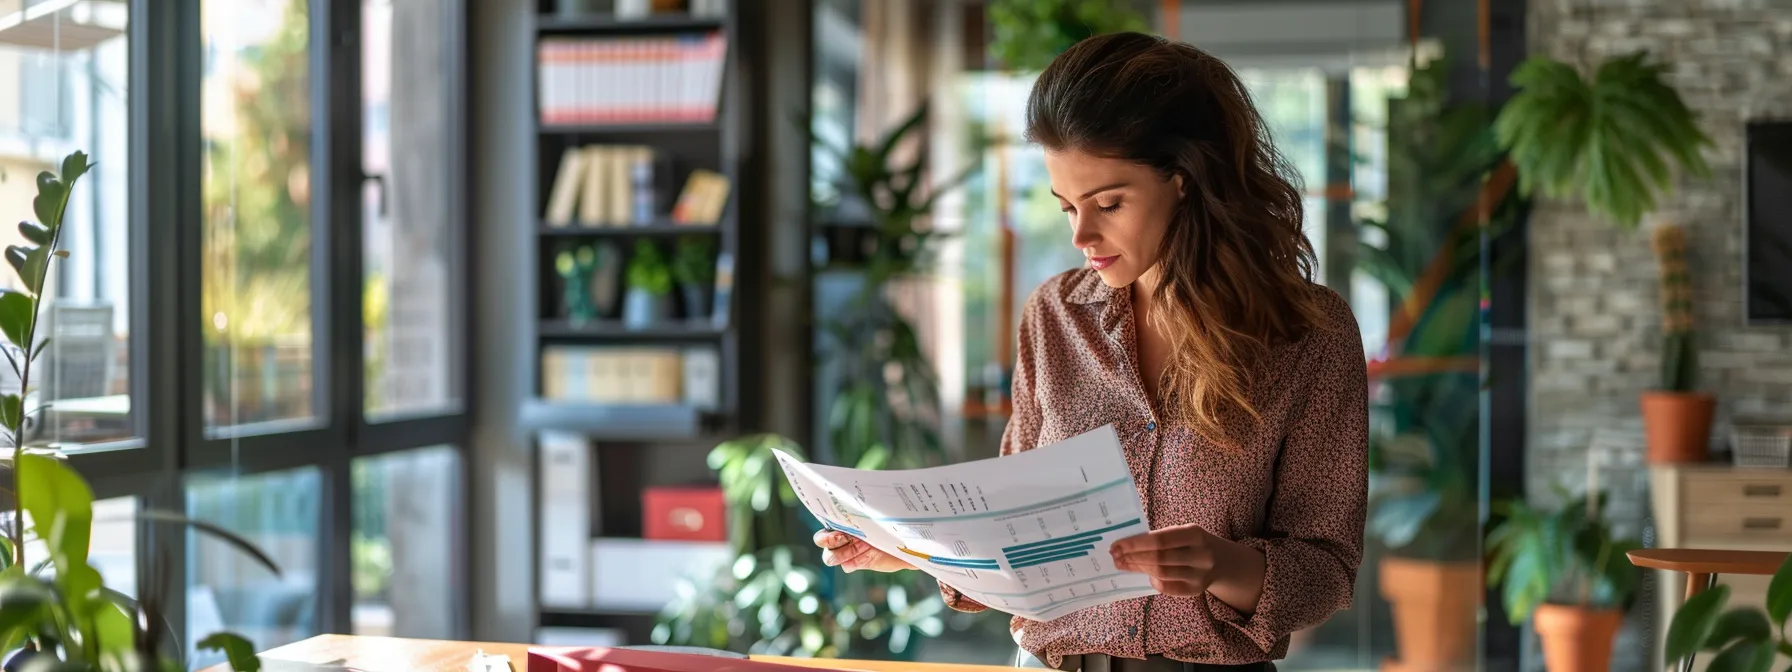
(648, 301)
(56, 613)
(1676, 417)
(694, 267)
(1564, 570)
(1609, 140)
(1028, 34)
(1744, 638)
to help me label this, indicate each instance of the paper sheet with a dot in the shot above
(1027, 534)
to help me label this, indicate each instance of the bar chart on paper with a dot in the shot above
(1027, 534)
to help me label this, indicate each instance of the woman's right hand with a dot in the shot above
(839, 549)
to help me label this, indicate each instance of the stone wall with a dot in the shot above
(1593, 314)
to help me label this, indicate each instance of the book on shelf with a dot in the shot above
(705, 195)
(605, 185)
(630, 80)
(724, 289)
(632, 375)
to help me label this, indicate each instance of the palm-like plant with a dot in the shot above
(1427, 252)
(1610, 139)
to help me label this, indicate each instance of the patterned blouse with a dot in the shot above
(1295, 490)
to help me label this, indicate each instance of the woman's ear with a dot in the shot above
(1180, 191)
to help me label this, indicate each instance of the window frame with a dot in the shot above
(166, 344)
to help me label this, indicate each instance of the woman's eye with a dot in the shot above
(1066, 208)
(1110, 208)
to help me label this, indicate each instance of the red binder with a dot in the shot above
(563, 659)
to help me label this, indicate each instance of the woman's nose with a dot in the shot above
(1082, 233)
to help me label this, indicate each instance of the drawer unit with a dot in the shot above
(1718, 507)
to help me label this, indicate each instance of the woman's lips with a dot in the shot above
(1099, 263)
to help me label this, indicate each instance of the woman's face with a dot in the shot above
(1118, 211)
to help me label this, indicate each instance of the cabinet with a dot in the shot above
(1718, 507)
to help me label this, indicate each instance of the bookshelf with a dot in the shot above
(629, 446)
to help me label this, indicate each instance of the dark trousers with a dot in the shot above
(1096, 662)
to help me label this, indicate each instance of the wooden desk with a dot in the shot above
(388, 654)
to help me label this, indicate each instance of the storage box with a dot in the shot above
(643, 575)
(565, 520)
(546, 659)
(684, 514)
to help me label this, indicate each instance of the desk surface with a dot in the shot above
(387, 654)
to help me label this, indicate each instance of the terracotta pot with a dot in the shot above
(1577, 639)
(1434, 606)
(1678, 425)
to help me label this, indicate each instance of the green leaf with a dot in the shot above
(113, 625)
(1743, 657)
(247, 547)
(22, 603)
(1746, 624)
(58, 500)
(35, 232)
(16, 316)
(52, 199)
(1779, 594)
(74, 166)
(10, 410)
(29, 262)
(235, 647)
(1694, 621)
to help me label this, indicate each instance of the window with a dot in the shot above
(64, 85)
(404, 542)
(409, 248)
(256, 300)
(279, 513)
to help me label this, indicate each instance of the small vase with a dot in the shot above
(642, 309)
(1677, 426)
(697, 301)
(1576, 639)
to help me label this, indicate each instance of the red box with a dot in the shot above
(684, 514)
(557, 659)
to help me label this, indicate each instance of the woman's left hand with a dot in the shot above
(1186, 561)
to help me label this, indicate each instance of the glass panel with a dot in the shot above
(408, 512)
(257, 280)
(64, 75)
(228, 590)
(113, 550)
(1370, 140)
(409, 230)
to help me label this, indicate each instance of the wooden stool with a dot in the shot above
(1702, 566)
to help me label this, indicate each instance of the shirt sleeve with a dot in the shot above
(1021, 432)
(1313, 542)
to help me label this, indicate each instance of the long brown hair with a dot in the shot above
(1236, 271)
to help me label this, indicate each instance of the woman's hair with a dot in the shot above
(1235, 268)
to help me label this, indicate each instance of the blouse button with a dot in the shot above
(1151, 426)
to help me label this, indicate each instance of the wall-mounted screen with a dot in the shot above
(1767, 282)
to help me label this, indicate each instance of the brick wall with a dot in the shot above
(1593, 314)
(1593, 292)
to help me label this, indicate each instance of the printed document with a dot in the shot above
(1027, 533)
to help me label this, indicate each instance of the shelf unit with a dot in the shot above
(635, 446)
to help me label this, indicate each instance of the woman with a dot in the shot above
(1237, 385)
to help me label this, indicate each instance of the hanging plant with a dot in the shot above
(1028, 34)
(1609, 140)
